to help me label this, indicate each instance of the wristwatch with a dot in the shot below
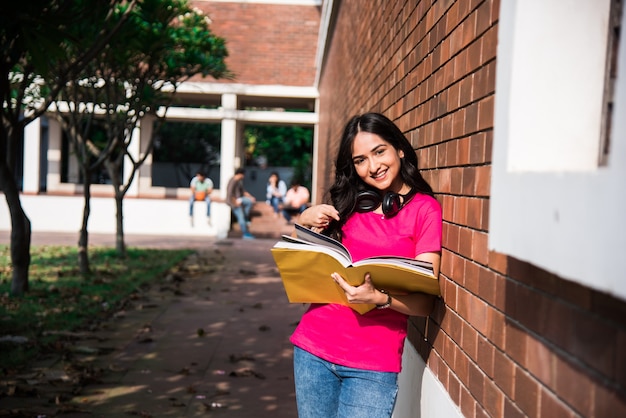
(386, 304)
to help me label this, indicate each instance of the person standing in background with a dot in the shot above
(240, 201)
(201, 187)
(275, 194)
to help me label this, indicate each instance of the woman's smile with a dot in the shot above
(377, 162)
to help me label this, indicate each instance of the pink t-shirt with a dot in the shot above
(374, 340)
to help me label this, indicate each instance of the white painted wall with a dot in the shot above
(420, 394)
(141, 216)
(32, 144)
(562, 215)
(558, 60)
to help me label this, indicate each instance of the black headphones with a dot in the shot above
(369, 200)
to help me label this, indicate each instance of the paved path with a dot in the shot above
(211, 341)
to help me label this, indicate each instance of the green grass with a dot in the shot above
(60, 299)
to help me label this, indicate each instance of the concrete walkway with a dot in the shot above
(210, 341)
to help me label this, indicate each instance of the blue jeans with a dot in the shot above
(327, 390)
(242, 213)
(275, 201)
(289, 211)
(207, 199)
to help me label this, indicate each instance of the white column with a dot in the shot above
(227, 154)
(73, 168)
(32, 163)
(240, 156)
(53, 179)
(228, 149)
(143, 177)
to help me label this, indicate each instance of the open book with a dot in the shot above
(307, 260)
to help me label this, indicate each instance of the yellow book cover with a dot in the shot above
(305, 263)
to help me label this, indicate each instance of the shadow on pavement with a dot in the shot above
(211, 339)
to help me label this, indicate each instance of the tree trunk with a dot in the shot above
(116, 182)
(20, 231)
(83, 239)
(120, 247)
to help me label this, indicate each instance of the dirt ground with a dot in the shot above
(209, 339)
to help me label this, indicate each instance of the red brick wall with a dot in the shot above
(508, 340)
(267, 43)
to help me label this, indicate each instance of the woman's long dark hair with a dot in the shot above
(274, 173)
(343, 192)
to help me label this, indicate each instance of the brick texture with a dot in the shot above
(508, 339)
(268, 44)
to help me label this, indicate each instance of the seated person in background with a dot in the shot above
(296, 200)
(275, 193)
(201, 187)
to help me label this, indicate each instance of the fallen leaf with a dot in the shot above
(242, 357)
(246, 373)
(176, 402)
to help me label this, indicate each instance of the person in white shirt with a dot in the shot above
(276, 190)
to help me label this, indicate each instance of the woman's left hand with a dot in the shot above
(413, 304)
(365, 293)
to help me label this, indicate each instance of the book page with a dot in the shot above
(313, 237)
(292, 243)
(422, 267)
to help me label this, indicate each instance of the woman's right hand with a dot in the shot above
(319, 216)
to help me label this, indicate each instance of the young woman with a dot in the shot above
(275, 192)
(346, 364)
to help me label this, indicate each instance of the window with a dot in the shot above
(615, 25)
(559, 57)
(558, 189)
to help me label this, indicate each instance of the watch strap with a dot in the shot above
(386, 304)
